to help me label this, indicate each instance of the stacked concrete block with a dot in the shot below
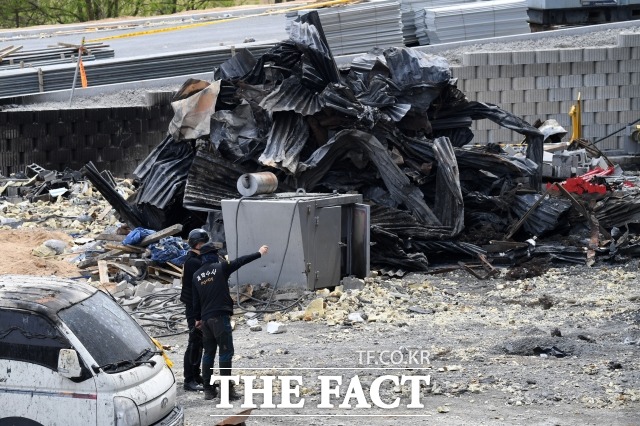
(544, 84)
(569, 163)
(560, 68)
(115, 139)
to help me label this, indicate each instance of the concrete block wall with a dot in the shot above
(117, 139)
(543, 84)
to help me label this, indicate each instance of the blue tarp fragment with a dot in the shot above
(136, 236)
(169, 249)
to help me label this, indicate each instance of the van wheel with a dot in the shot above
(18, 421)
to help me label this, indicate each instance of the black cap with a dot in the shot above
(211, 247)
(197, 236)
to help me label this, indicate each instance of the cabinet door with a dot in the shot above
(326, 247)
(360, 241)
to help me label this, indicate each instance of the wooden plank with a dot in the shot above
(159, 275)
(491, 271)
(177, 268)
(103, 270)
(9, 51)
(111, 237)
(104, 213)
(157, 236)
(94, 260)
(125, 248)
(70, 45)
(110, 253)
(470, 268)
(131, 270)
(165, 271)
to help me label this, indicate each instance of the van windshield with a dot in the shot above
(110, 335)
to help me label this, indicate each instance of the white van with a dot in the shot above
(70, 355)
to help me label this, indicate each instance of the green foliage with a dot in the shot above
(25, 13)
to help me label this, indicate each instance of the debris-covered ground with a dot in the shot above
(558, 348)
(487, 344)
(518, 337)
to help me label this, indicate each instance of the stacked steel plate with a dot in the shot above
(111, 71)
(409, 8)
(14, 57)
(472, 21)
(359, 27)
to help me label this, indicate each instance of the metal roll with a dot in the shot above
(257, 183)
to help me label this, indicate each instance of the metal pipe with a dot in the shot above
(75, 74)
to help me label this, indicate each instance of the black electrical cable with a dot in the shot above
(284, 256)
(616, 132)
(171, 334)
(275, 286)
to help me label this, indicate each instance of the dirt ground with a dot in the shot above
(486, 343)
(16, 258)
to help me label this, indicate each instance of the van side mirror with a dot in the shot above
(69, 364)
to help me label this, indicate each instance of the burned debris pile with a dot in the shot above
(38, 184)
(392, 126)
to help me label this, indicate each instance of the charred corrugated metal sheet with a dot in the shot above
(450, 247)
(544, 218)
(533, 137)
(291, 95)
(163, 180)
(237, 67)
(475, 159)
(390, 127)
(288, 136)
(404, 225)
(211, 178)
(128, 213)
(398, 184)
(618, 210)
(318, 66)
(236, 133)
(389, 249)
(449, 204)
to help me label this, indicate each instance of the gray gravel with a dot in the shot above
(607, 37)
(483, 362)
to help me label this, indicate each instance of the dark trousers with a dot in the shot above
(216, 333)
(193, 354)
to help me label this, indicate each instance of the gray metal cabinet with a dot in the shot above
(314, 239)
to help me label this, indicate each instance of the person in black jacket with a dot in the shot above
(193, 354)
(213, 306)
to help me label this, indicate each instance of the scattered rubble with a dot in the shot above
(491, 337)
(274, 327)
(433, 195)
(293, 112)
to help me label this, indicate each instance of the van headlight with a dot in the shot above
(125, 412)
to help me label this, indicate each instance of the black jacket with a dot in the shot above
(191, 264)
(211, 296)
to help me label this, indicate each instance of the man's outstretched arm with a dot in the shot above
(230, 267)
